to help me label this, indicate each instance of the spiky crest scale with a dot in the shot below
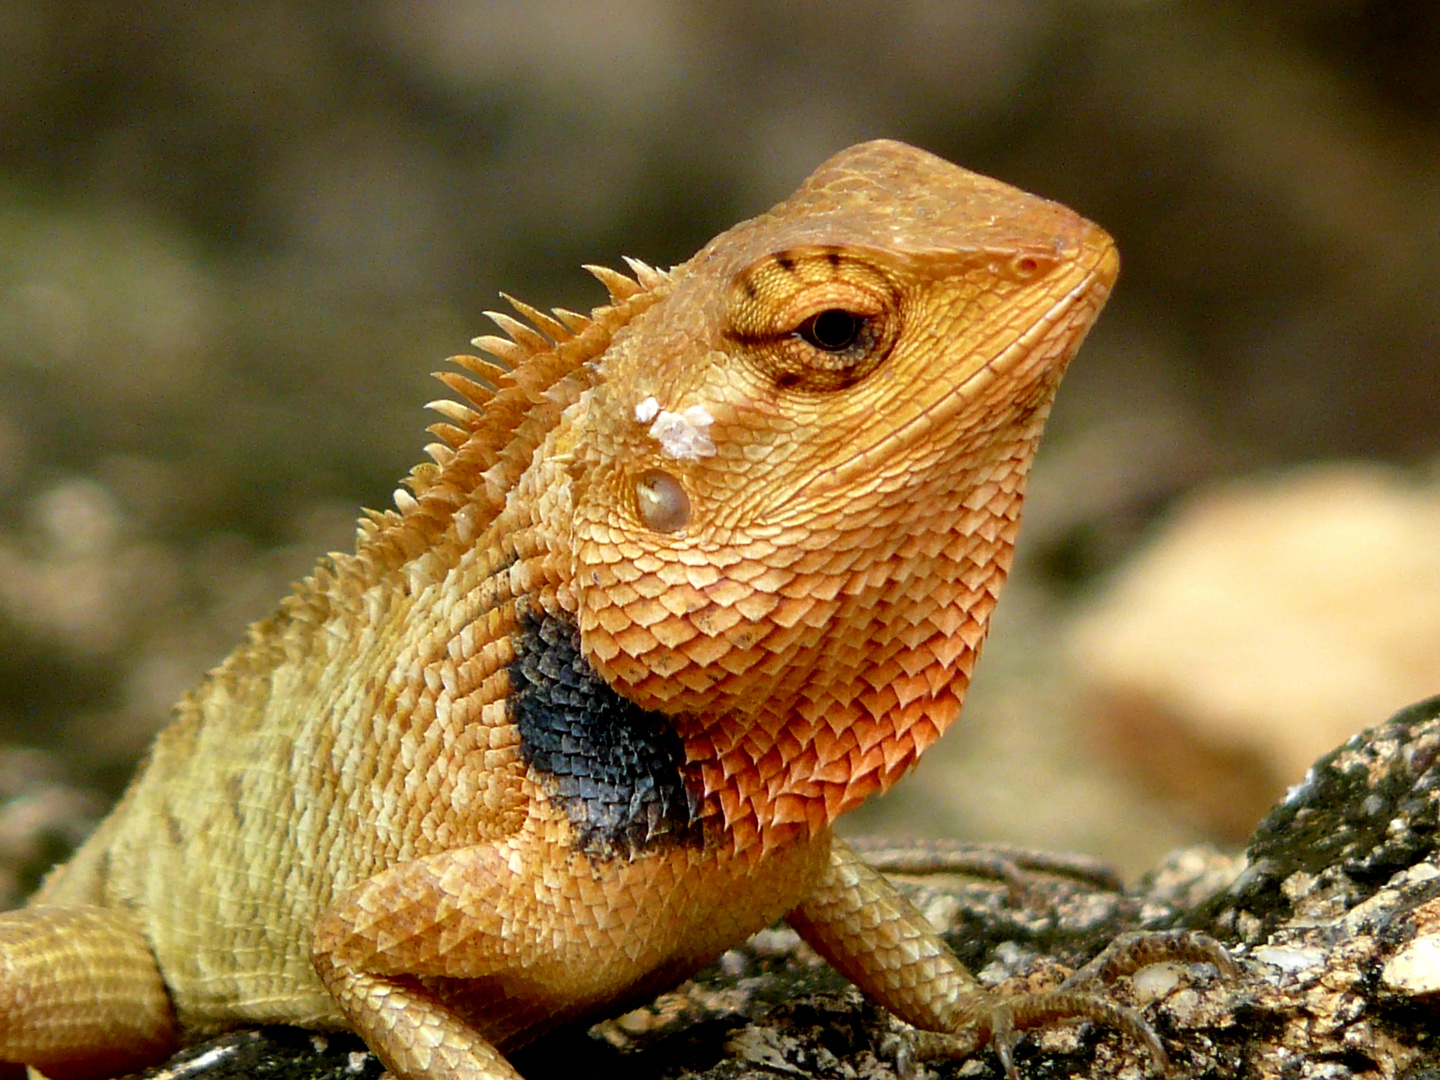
(493, 373)
(491, 443)
(529, 339)
(550, 327)
(576, 322)
(620, 287)
(645, 274)
(465, 418)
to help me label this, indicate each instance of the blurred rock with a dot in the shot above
(42, 820)
(1267, 620)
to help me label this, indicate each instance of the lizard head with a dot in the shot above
(799, 472)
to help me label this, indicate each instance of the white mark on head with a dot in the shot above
(646, 410)
(685, 435)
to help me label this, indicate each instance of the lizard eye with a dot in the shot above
(816, 319)
(833, 330)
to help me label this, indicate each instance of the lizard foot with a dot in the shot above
(1130, 952)
(1000, 1022)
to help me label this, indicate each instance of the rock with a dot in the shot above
(1262, 626)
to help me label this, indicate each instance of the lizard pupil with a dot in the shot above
(833, 330)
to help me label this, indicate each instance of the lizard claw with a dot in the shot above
(1001, 1024)
(1129, 952)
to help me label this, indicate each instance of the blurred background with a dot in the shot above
(235, 238)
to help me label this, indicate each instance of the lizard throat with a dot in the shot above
(616, 770)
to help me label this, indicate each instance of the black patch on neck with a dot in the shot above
(614, 767)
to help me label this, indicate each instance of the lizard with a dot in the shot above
(684, 580)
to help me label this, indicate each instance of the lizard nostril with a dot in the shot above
(661, 501)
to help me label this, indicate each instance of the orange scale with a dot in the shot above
(801, 760)
(649, 586)
(923, 733)
(699, 575)
(947, 649)
(636, 640)
(675, 574)
(882, 674)
(730, 802)
(727, 591)
(674, 632)
(834, 771)
(681, 600)
(744, 832)
(698, 747)
(612, 619)
(757, 606)
(820, 614)
(911, 688)
(750, 786)
(830, 747)
(646, 612)
(913, 638)
(789, 810)
(880, 702)
(705, 650)
(728, 734)
(768, 764)
(802, 728)
(948, 619)
(862, 785)
(899, 754)
(869, 734)
(958, 550)
(778, 658)
(715, 619)
(977, 576)
(738, 661)
(647, 562)
(766, 726)
(937, 678)
(836, 796)
(984, 605)
(808, 789)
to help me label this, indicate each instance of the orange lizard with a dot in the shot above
(687, 579)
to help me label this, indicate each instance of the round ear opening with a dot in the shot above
(661, 502)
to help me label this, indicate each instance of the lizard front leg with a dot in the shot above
(444, 963)
(80, 993)
(872, 935)
(386, 949)
(415, 1034)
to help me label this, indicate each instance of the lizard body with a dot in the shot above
(695, 575)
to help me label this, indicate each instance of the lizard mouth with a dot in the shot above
(1056, 333)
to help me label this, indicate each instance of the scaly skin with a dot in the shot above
(703, 571)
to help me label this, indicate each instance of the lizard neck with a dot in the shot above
(800, 720)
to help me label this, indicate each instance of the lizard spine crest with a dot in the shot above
(487, 440)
